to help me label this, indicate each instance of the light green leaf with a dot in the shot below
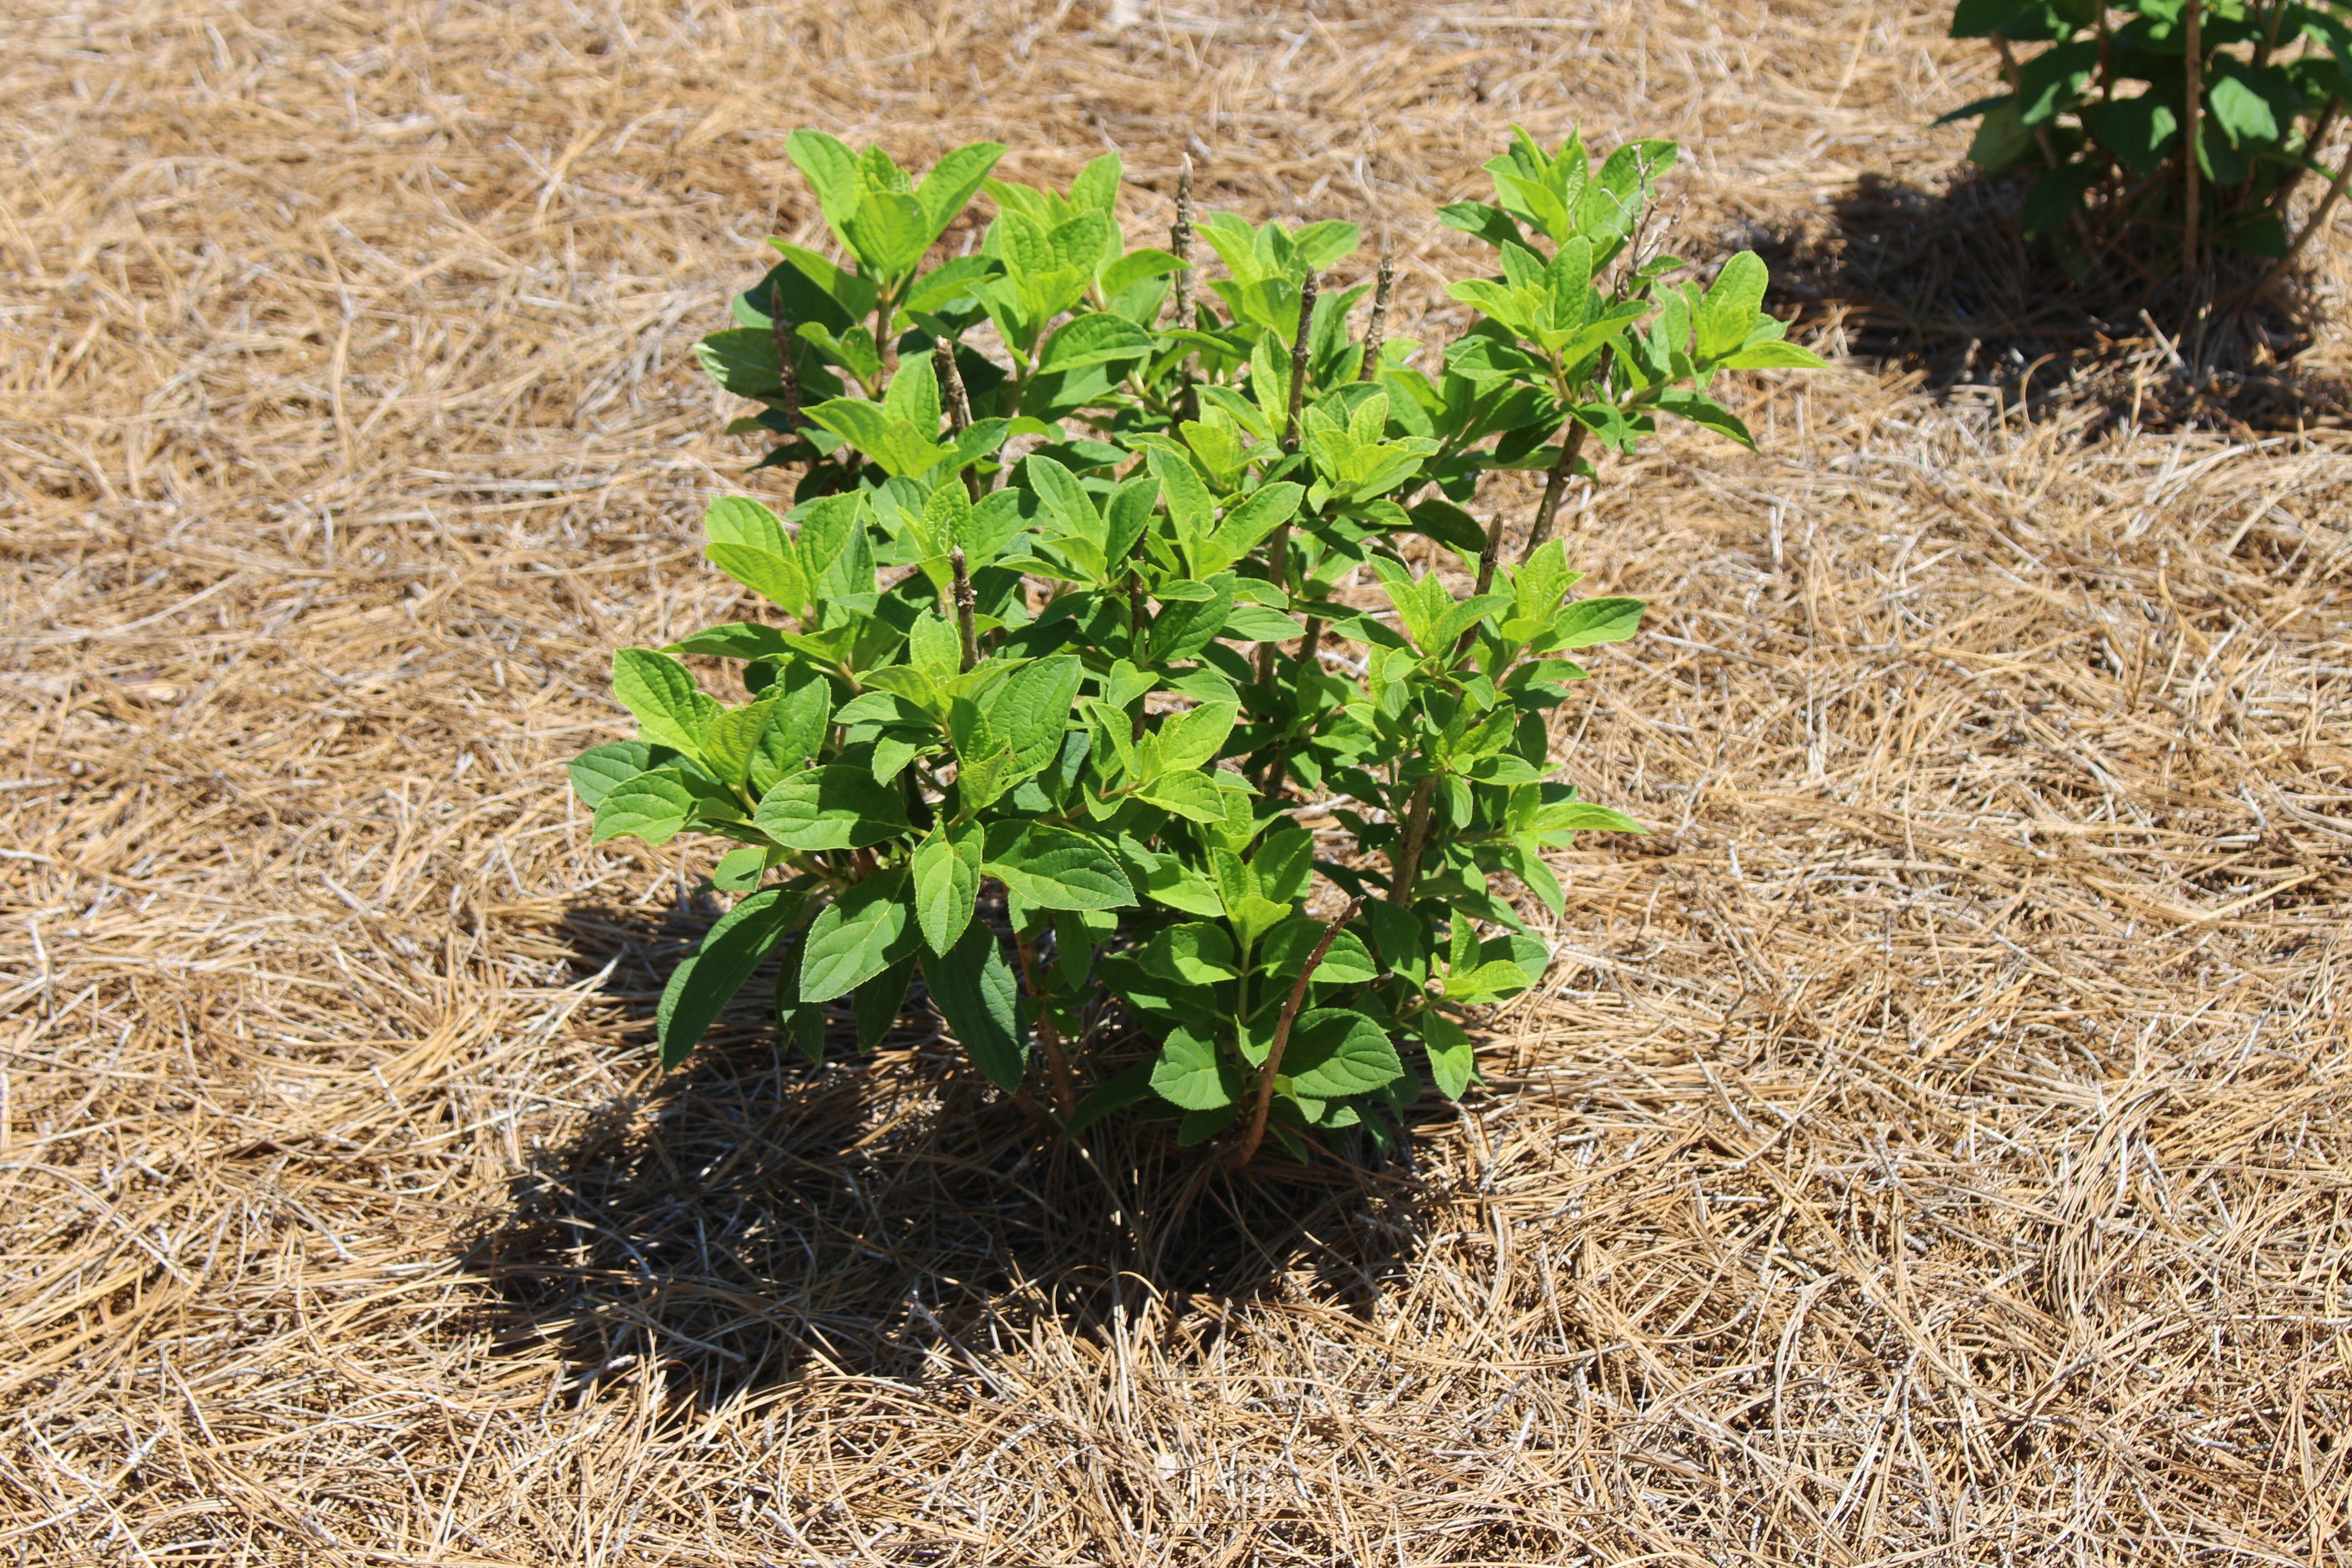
(1335, 1052)
(1189, 1073)
(652, 806)
(890, 232)
(946, 883)
(1186, 795)
(837, 806)
(1589, 621)
(951, 181)
(858, 935)
(1098, 338)
(1451, 1061)
(1286, 949)
(661, 693)
(1729, 311)
(1055, 868)
(597, 772)
(1775, 356)
(1192, 739)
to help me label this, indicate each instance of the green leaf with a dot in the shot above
(1136, 267)
(2242, 113)
(2140, 130)
(1336, 1051)
(703, 984)
(729, 739)
(1583, 816)
(979, 995)
(837, 806)
(652, 806)
(878, 1003)
(736, 639)
(1193, 953)
(661, 693)
(888, 231)
(1451, 1061)
(1031, 709)
(830, 168)
(1730, 306)
(1098, 338)
(1589, 621)
(740, 870)
(800, 707)
(1286, 949)
(597, 772)
(1284, 862)
(1256, 622)
(1775, 356)
(1190, 741)
(947, 882)
(1055, 868)
(951, 181)
(1200, 1126)
(1189, 1073)
(1701, 409)
(1186, 795)
(856, 937)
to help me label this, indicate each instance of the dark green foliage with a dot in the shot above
(2101, 117)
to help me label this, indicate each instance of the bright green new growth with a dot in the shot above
(2107, 113)
(1103, 677)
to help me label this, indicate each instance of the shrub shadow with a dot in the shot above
(1943, 282)
(882, 1213)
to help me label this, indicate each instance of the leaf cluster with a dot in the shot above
(1060, 639)
(2100, 113)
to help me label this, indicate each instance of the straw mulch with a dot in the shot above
(1930, 1147)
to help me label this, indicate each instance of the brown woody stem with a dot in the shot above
(959, 402)
(1180, 245)
(1415, 830)
(1300, 347)
(966, 606)
(1376, 326)
(1049, 1040)
(1251, 1139)
(1572, 443)
(788, 367)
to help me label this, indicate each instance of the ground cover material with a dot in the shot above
(1930, 1146)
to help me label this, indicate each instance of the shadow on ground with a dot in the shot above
(1944, 282)
(879, 1212)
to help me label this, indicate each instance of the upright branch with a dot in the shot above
(1255, 1134)
(965, 608)
(786, 335)
(1058, 1077)
(1180, 245)
(1376, 325)
(959, 402)
(1412, 839)
(1300, 348)
(1571, 444)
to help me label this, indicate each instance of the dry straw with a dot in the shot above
(1930, 1147)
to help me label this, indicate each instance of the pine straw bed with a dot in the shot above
(1929, 1147)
